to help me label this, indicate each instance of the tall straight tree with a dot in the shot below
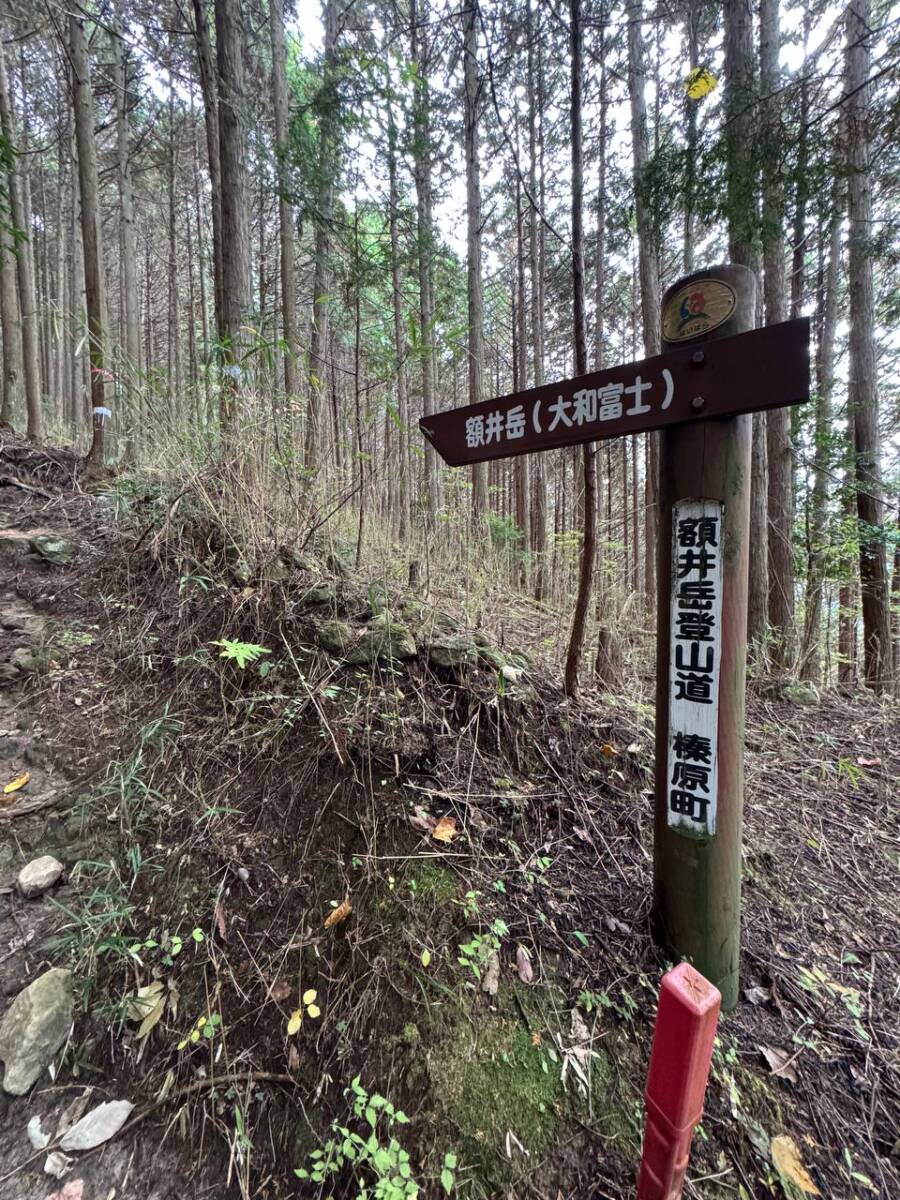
(648, 262)
(810, 657)
(94, 274)
(209, 89)
(127, 245)
(475, 290)
(535, 230)
(28, 305)
(589, 450)
(422, 158)
(285, 208)
(327, 169)
(741, 211)
(235, 232)
(863, 391)
(779, 457)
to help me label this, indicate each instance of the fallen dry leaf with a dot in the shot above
(293, 1057)
(615, 925)
(780, 1062)
(296, 1020)
(422, 819)
(280, 990)
(607, 750)
(756, 995)
(341, 913)
(445, 830)
(221, 920)
(868, 762)
(523, 964)
(491, 980)
(15, 784)
(789, 1164)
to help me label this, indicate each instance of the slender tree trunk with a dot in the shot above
(236, 294)
(174, 305)
(741, 203)
(473, 237)
(690, 114)
(863, 389)
(130, 368)
(422, 155)
(28, 314)
(589, 450)
(539, 466)
(209, 89)
(285, 208)
(779, 454)
(648, 268)
(403, 479)
(12, 331)
(94, 278)
(327, 170)
(522, 462)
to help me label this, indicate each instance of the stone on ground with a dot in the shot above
(34, 1027)
(39, 876)
(458, 651)
(54, 549)
(383, 638)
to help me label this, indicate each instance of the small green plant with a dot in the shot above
(167, 948)
(241, 653)
(475, 954)
(380, 1164)
(205, 1026)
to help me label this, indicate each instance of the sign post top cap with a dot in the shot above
(719, 298)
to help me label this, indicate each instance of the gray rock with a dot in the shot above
(12, 621)
(39, 876)
(802, 693)
(334, 636)
(379, 597)
(22, 658)
(451, 651)
(492, 658)
(54, 549)
(278, 571)
(35, 1026)
(322, 592)
(9, 747)
(241, 573)
(385, 639)
(13, 548)
(37, 754)
(9, 673)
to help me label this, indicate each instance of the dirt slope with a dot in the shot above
(499, 986)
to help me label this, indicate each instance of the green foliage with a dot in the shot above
(379, 1163)
(241, 652)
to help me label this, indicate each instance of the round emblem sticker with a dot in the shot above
(697, 308)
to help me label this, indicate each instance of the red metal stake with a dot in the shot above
(676, 1082)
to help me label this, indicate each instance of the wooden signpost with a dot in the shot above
(715, 370)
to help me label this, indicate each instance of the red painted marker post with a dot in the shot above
(676, 1082)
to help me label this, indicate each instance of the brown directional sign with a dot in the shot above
(765, 368)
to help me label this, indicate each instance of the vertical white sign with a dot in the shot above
(695, 653)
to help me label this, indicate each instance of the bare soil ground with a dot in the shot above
(212, 819)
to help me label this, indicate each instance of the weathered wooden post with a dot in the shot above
(698, 392)
(704, 522)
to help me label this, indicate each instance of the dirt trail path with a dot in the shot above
(41, 818)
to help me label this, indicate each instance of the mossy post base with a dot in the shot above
(697, 880)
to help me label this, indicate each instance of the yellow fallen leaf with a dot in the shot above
(786, 1157)
(445, 830)
(152, 1018)
(296, 1020)
(313, 1011)
(607, 750)
(18, 782)
(699, 83)
(426, 958)
(341, 913)
(309, 996)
